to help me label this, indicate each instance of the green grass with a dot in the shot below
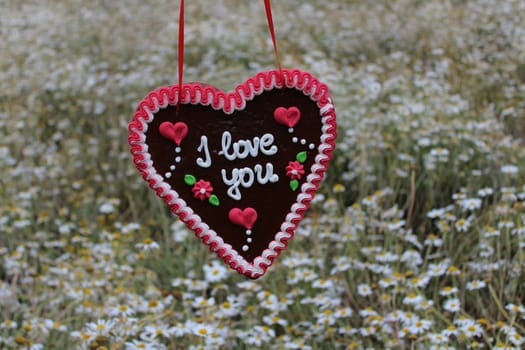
(423, 203)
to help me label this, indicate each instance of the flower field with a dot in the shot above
(415, 240)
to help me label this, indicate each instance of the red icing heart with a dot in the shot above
(287, 116)
(245, 218)
(238, 152)
(176, 132)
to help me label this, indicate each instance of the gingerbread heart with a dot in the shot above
(239, 168)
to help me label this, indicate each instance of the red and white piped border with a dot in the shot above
(228, 102)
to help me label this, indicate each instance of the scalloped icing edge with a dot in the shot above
(228, 102)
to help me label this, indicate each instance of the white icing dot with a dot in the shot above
(249, 240)
(294, 172)
(172, 167)
(245, 248)
(202, 190)
(177, 149)
(311, 146)
(248, 232)
(290, 130)
(295, 139)
(303, 141)
(177, 159)
(167, 175)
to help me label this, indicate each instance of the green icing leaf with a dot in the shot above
(294, 184)
(214, 200)
(301, 157)
(189, 180)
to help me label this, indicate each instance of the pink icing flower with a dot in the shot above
(294, 170)
(202, 189)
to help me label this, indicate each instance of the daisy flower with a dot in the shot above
(364, 289)
(215, 272)
(476, 284)
(452, 305)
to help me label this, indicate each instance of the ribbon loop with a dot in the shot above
(269, 17)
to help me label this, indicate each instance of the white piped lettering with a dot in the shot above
(245, 177)
(206, 162)
(243, 148)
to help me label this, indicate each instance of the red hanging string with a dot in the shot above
(181, 50)
(269, 17)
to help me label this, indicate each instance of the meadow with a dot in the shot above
(415, 240)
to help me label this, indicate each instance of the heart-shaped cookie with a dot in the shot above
(239, 168)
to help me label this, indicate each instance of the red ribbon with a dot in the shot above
(181, 49)
(269, 17)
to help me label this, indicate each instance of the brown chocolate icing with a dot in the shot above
(271, 200)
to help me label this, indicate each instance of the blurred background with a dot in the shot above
(414, 241)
